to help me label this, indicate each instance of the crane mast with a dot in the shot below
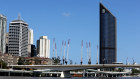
(81, 52)
(53, 46)
(64, 53)
(97, 55)
(89, 61)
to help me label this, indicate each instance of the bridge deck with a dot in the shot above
(73, 67)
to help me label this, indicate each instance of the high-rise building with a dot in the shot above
(107, 36)
(30, 36)
(33, 51)
(7, 38)
(3, 25)
(30, 41)
(18, 38)
(43, 47)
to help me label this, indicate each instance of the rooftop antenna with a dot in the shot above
(19, 16)
(97, 55)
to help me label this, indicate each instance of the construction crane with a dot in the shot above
(67, 51)
(87, 51)
(81, 52)
(64, 53)
(55, 50)
(97, 55)
(53, 46)
(61, 51)
(133, 61)
(89, 61)
(127, 61)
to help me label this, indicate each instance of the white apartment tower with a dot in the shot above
(30, 36)
(43, 47)
(3, 24)
(18, 38)
(30, 41)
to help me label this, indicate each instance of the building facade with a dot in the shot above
(30, 41)
(107, 36)
(33, 51)
(38, 61)
(3, 25)
(7, 38)
(18, 38)
(43, 47)
(9, 59)
(30, 36)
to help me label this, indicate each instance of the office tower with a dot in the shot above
(107, 36)
(7, 34)
(3, 24)
(33, 51)
(30, 41)
(18, 38)
(43, 47)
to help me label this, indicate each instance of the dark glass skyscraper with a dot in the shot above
(107, 36)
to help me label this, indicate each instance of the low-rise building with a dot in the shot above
(9, 59)
(38, 61)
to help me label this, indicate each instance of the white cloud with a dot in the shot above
(66, 14)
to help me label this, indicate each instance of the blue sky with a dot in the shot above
(79, 20)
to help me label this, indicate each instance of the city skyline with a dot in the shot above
(83, 24)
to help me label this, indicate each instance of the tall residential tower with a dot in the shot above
(18, 38)
(107, 36)
(43, 47)
(3, 25)
(30, 41)
(30, 36)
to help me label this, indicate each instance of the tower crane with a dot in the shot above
(89, 61)
(81, 52)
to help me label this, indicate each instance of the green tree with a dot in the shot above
(56, 60)
(121, 69)
(21, 61)
(135, 71)
(3, 64)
